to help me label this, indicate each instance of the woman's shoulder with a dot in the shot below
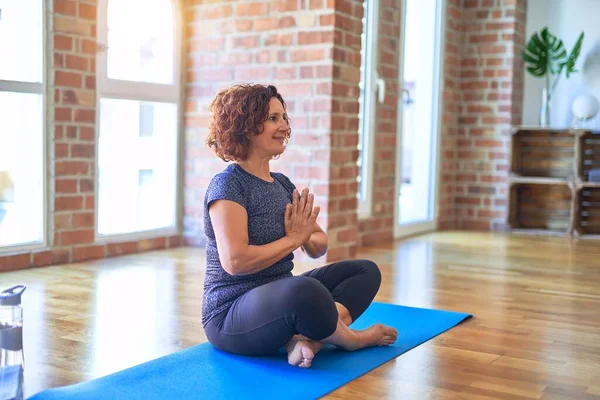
(284, 180)
(228, 177)
(227, 185)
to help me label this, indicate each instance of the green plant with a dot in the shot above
(545, 55)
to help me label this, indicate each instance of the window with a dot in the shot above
(370, 85)
(22, 112)
(138, 83)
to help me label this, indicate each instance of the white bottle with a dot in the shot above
(12, 360)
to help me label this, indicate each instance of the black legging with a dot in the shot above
(264, 319)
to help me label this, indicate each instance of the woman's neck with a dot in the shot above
(258, 167)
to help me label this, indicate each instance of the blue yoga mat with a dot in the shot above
(204, 372)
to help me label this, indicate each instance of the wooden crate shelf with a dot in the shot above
(539, 207)
(538, 180)
(544, 153)
(587, 212)
(549, 191)
(590, 154)
(580, 185)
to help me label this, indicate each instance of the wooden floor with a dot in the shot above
(535, 332)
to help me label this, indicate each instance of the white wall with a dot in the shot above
(566, 19)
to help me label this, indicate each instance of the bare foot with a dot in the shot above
(350, 339)
(301, 351)
(377, 335)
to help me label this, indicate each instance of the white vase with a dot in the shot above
(545, 110)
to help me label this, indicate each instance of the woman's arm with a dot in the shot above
(316, 245)
(238, 257)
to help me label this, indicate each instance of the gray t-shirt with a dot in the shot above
(265, 204)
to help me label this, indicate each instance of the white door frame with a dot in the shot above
(401, 231)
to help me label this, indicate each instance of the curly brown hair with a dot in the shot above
(237, 113)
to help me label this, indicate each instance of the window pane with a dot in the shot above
(146, 119)
(21, 169)
(137, 173)
(419, 113)
(21, 40)
(141, 49)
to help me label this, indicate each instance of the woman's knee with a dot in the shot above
(372, 273)
(305, 291)
(312, 306)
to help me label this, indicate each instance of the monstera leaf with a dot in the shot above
(570, 63)
(545, 54)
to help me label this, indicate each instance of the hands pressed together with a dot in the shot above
(300, 217)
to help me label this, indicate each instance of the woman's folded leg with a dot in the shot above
(265, 318)
(352, 283)
(299, 313)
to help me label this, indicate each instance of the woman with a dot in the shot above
(254, 219)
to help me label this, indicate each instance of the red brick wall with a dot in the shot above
(491, 80)
(342, 227)
(380, 226)
(310, 51)
(452, 98)
(72, 170)
(276, 43)
(516, 47)
(72, 146)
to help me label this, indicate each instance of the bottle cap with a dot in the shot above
(12, 296)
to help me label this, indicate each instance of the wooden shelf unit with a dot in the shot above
(587, 212)
(549, 192)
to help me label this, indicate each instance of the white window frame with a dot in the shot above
(401, 231)
(140, 91)
(42, 89)
(374, 94)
